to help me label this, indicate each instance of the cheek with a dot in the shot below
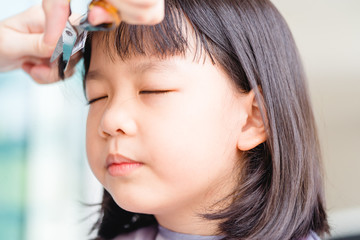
(90, 133)
(195, 142)
(94, 146)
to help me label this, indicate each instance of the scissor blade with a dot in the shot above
(69, 39)
(80, 42)
(58, 50)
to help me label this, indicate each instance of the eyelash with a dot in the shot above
(96, 99)
(155, 92)
(141, 92)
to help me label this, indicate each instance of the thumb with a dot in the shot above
(56, 15)
(34, 45)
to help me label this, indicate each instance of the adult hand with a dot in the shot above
(28, 39)
(22, 45)
(145, 12)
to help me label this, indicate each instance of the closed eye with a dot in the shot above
(154, 91)
(96, 99)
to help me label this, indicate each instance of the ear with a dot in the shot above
(252, 129)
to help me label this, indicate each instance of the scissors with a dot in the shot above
(73, 37)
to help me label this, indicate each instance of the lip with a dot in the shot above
(118, 165)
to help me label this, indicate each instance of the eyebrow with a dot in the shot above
(143, 67)
(136, 68)
(94, 75)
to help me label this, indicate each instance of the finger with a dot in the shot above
(56, 14)
(44, 72)
(98, 15)
(33, 60)
(27, 67)
(32, 45)
(35, 20)
(30, 21)
(41, 73)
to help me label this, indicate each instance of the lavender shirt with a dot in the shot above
(160, 233)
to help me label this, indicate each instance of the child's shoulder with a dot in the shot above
(145, 233)
(312, 236)
(149, 233)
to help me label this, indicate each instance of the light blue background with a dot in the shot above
(44, 177)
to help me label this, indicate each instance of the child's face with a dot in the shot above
(177, 118)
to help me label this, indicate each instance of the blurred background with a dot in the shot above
(46, 184)
(45, 181)
(327, 33)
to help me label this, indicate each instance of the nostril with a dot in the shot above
(103, 133)
(120, 131)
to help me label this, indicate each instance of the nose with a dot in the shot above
(118, 119)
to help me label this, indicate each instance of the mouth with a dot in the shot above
(118, 165)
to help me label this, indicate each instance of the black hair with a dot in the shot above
(280, 190)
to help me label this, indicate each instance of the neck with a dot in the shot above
(188, 219)
(195, 224)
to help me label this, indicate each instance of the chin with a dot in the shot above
(136, 204)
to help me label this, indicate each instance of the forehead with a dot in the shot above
(134, 66)
(139, 57)
(174, 36)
